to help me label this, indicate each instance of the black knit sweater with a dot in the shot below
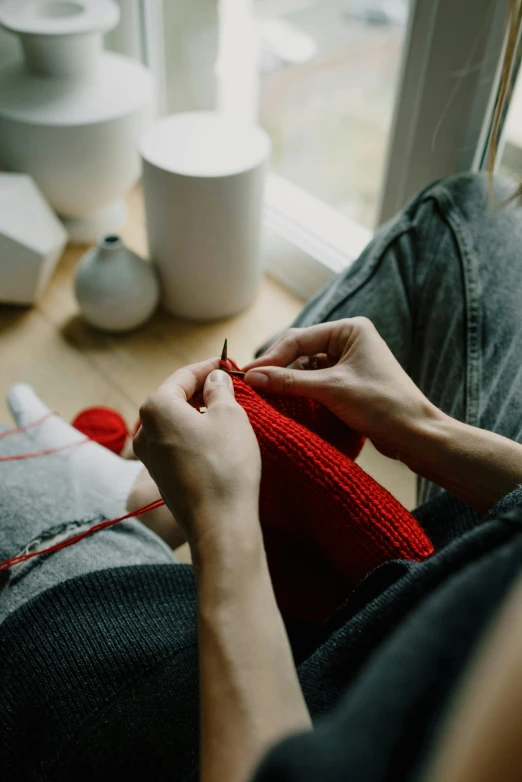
(98, 676)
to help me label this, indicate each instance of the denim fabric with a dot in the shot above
(442, 283)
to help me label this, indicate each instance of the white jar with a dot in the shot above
(203, 180)
(71, 114)
(116, 290)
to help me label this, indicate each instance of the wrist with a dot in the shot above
(425, 439)
(228, 572)
(227, 538)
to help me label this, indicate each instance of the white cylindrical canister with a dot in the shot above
(203, 179)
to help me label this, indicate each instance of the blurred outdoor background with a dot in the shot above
(329, 72)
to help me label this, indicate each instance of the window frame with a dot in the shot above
(445, 96)
(443, 108)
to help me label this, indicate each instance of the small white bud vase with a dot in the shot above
(116, 290)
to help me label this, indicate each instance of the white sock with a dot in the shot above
(103, 474)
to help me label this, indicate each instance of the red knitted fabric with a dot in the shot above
(326, 523)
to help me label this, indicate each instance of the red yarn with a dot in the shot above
(104, 426)
(17, 429)
(43, 452)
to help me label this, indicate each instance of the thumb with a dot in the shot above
(291, 382)
(218, 389)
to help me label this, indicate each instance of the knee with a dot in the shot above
(472, 194)
(470, 188)
(478, 224)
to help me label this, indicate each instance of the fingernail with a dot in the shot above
(256, 379)
(218, 377)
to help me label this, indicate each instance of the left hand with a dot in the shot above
(206, 466)
(359, 380)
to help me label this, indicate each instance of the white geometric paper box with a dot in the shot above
(32, 240)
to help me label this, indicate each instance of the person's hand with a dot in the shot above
(358, 379)
(207, 466)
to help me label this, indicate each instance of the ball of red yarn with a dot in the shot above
(103, 425)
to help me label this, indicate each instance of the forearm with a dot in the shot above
(250, 694)
(477, 466)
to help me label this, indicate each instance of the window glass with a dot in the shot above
(328, 77)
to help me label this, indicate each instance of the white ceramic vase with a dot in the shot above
(70, 113)
(116, 290)
(203, 179)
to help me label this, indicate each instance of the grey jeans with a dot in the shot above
(442, 282)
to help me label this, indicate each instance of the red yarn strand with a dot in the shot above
(25, 428)
(44, 452)
(9, 563)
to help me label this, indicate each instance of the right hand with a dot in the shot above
(207, 467)
(361, 381)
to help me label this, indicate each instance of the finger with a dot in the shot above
(296, 343)
(291, 382)
(185, 382)
(176, 393)
(218, 390)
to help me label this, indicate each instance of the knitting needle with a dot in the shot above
(224, 357)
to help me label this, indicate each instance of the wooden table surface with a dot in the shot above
(73, 366)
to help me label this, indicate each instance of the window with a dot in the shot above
(328, 76)
(366, 101)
